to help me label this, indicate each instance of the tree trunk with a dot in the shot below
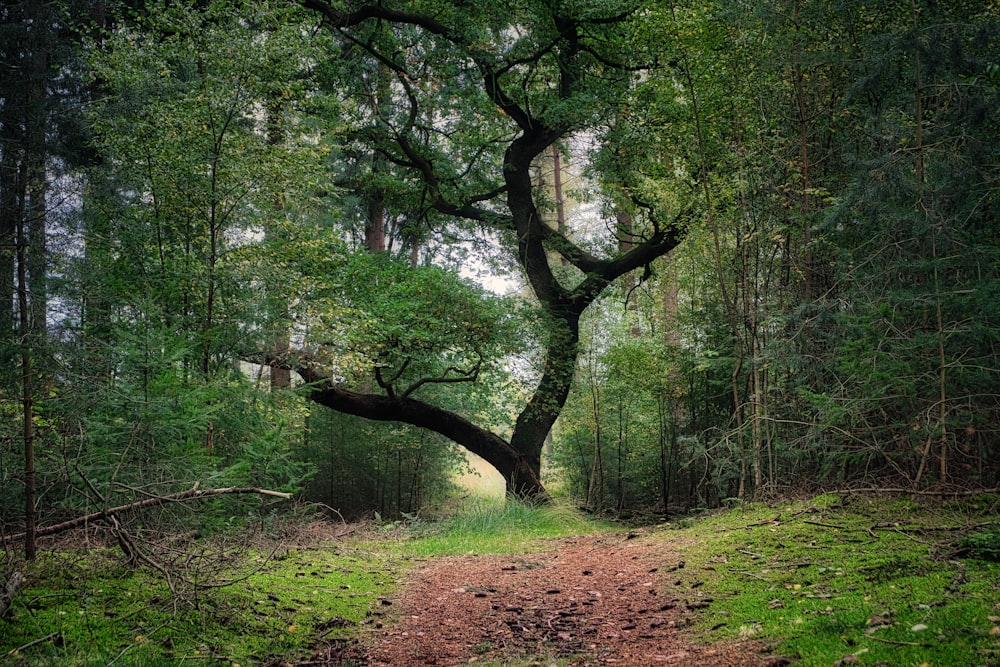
(522, 471)
(280, 375)
(27, 388)
(595, 490)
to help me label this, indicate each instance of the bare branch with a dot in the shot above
(470, 375)
(154, 501)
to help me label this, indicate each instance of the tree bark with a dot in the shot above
(26, 331)
(11, 588)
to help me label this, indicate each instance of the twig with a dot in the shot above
(889, 641)
(820, 523)
(894, 529)
(750, 553)
(136, 556)
(765, 522)
(131, 646)
(37, 641)
(331, 509)
(120, 654)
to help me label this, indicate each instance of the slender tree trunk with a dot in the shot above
(622, 443)
(280, 375)
(664, 454)
(375, 228)
(595, 490)
(27, 388)
(9, 188)
(32, 263)
(729, 301)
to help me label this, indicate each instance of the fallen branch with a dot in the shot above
(897, 643)
(154, 501)
(776, 520)
(905, 491)
(40, 640)
(9, 591)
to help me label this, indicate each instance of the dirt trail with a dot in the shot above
(594, 600)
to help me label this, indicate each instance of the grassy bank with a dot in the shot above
(840, 580)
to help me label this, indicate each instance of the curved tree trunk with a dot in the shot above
(522, 471)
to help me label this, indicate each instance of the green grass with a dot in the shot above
(489, 526)
(821, 580)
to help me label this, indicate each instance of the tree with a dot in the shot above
(484, 90)
(916, 351)
(159, 284)
(39, 114)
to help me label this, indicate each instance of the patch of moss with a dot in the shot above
(835, 577)
(83, 609)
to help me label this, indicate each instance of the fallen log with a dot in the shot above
(9, 591)
(153, 501)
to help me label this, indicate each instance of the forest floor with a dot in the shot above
(832, 580)
(608, 599)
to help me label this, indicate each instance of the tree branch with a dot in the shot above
(154, 501)
(340, 19)
(470, 375)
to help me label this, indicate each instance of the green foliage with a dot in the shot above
(983, 544)
(364, 467)
(162, 294)
(415, 323)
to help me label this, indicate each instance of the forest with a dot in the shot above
(649, 256)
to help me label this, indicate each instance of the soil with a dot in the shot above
(595, 600)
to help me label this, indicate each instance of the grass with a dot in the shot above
(491, 526)
(830, 580)
(837, 580)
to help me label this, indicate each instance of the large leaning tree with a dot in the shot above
(463, 100)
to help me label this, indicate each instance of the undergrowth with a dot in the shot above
(488, 526)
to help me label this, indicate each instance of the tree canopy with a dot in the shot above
(662, 254)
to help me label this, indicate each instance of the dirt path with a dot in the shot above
(594, 600)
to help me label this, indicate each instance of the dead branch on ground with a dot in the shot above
(105, 515)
